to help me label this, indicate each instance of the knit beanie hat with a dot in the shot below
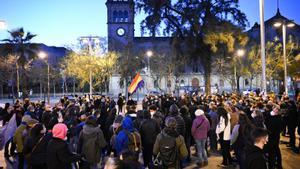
(199, 112)
(60, 131)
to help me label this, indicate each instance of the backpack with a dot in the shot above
(134, 141)
(168, 151)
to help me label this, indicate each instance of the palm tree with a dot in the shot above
(24, 52)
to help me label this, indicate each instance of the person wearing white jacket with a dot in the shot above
(223, 134)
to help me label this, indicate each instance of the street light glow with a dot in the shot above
(277, 24)
(149, 53)
(240, 52)
(290, 25)
(42, 55)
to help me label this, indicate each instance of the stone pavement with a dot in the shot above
(290, 160)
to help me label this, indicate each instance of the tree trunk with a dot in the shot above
(251, 79)
(126, 88)
(207, 82)
(238, 83)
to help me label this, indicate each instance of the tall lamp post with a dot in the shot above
(149, 54)
(239, 53)
(284, 25)
(262, 44)
(43, 56)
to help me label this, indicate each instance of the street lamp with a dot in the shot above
(43, 56)
(239, 53)
(149, 54)
(284, 25)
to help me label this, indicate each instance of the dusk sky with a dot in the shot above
(61, 22)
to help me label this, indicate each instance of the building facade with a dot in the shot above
(120, 25)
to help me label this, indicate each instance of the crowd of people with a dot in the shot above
(168, 132)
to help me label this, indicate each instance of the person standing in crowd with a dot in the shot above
(58, 154)
(180, 128)
(149, 130)
(35, 148)
(240, 138)
(184, 111)
(274, 124)
(169, 146)
(258, 119)
(19, 137)
(120, 103)
(91, 141)
(200, 129)
(156, 115)
(254, 153)
(292, 123)
(223, 133)
(128, 138)
(212, 132)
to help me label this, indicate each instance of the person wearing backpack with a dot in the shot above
(128, 138)
(91, 141)
(200, 129)
(169, 147)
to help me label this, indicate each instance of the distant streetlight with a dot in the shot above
(43, 56)
(284, 25)
(239, 53)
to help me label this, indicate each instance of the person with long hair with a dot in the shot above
(35, 147)
(223, 133)
(240, 138)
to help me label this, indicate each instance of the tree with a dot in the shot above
(19, 46)
(80, 66)
(274, 60)
(188, 21)
(225, 42)
(128, 64)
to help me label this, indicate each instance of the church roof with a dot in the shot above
(152, 39)
(277, 17)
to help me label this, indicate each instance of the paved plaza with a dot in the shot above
(290, 160)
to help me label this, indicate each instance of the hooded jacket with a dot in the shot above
(91, 141)
(255, 158)
(121, 141)
(200, 127)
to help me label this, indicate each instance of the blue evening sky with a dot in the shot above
(61, 22)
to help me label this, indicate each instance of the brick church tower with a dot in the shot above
(120, 23)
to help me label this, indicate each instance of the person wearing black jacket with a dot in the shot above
(188, 125)
(35, 147)
(292, 122)
(274, 124)
(254, 153)
(180, 128)
(58, 154)
(149, 129)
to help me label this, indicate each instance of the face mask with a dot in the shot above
(152, 113)
(252, 115)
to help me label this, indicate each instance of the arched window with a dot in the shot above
(182, 83)
(120, 16)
